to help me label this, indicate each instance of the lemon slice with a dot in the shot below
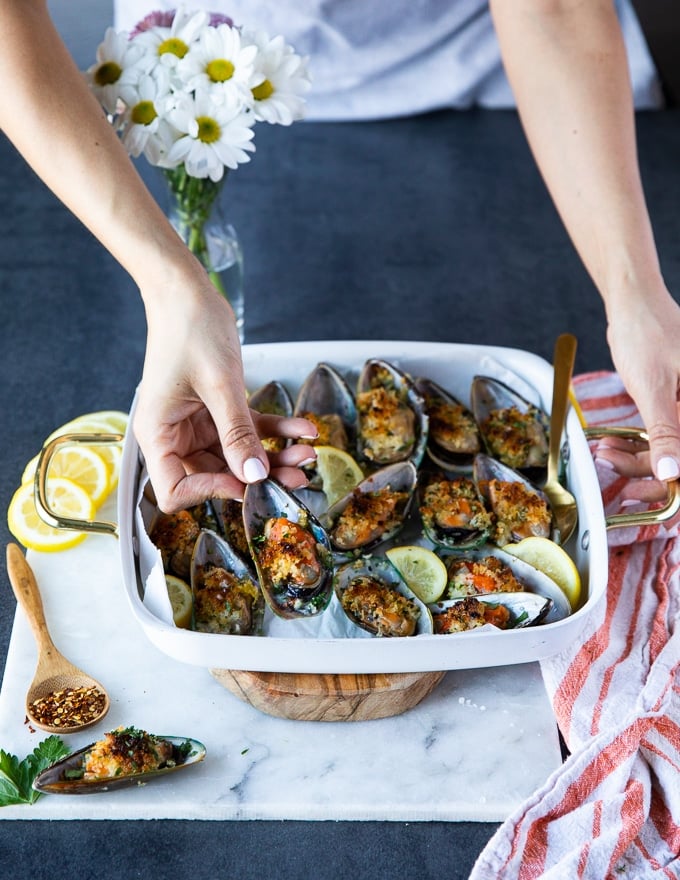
(181, 600)
(549, 558)
(423, 571)
(82, 465)
(112, 453)
(109, 421)
(339, 472)
(66, 499)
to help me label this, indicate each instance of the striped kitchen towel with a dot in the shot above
(612, 810)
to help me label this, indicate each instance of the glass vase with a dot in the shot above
(196, 214)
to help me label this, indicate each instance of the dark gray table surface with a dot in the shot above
(433, 228)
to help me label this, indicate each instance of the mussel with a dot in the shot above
(514, 430)
(272, 399)
(453, 513)
(175, 535)
(502, 610)
(375, 598)
(392, 423)
(291, 550)
(374, 511)
(453, 436)
(229, 524)
(227, 598)
(520, 509)
(125, 757)
(490, 571)
(326, 400)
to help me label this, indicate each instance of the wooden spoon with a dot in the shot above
(562, 502)
(54, 676)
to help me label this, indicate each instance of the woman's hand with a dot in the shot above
(643, 339)
(196, 432)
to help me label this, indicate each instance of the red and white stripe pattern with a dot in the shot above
(612, 810)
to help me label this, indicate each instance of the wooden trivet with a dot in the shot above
(315, 697)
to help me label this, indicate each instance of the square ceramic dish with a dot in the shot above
(307, 648)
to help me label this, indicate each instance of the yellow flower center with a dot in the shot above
(173, 45)
(143, 113)
(219, 70)
(107, 73)
(208, 129)
(263, 91)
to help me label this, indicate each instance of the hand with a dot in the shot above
(198, 436)
(645, 350)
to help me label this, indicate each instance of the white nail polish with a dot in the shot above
(667, 468)
(306, 462)
(254, 470)
(604, 462)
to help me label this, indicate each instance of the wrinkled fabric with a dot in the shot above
(613, 809)
(376, 60)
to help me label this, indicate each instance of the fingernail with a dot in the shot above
(630, 502)
(306, 462)
(604, 462)
(309, 437)
(667, 468)
(254, 470)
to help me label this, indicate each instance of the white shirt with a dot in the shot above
(374, 59)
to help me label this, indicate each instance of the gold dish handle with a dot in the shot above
(644, 517)
(46, 513)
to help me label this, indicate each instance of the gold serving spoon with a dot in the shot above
(563, 503)
(61, 697)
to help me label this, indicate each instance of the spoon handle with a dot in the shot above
(563, 360)
(26, 590)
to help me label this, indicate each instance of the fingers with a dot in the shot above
(292, 428)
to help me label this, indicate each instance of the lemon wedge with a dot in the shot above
(551, 559)
(423, 571)
(80, 464)
(339, 472)
(179, 593)
(66, 499)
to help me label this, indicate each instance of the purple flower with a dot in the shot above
(165, 19)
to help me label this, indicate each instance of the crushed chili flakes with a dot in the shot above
(69, 707)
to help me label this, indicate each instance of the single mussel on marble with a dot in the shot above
(453, 437)
(502, 610)
(291, 550)
(490, 572)
(124, 757)
(520, 510)
(272, 399)
(453, 513)
(374, 511)
(326, 400)
(376, 599)
(392, 424)
(226, 597)
(513, 430)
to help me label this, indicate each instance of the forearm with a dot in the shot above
(49, 113)
(567, 65)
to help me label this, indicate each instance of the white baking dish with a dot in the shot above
(453, 366)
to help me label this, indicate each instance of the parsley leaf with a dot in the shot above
(16, 777)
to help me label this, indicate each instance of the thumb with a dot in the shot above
(660, 415)
(243, 452)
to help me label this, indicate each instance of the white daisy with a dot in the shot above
(218, 63)
(143, 127)
(116, 56)
(170, 44)
(210, 135)
(281, 78)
